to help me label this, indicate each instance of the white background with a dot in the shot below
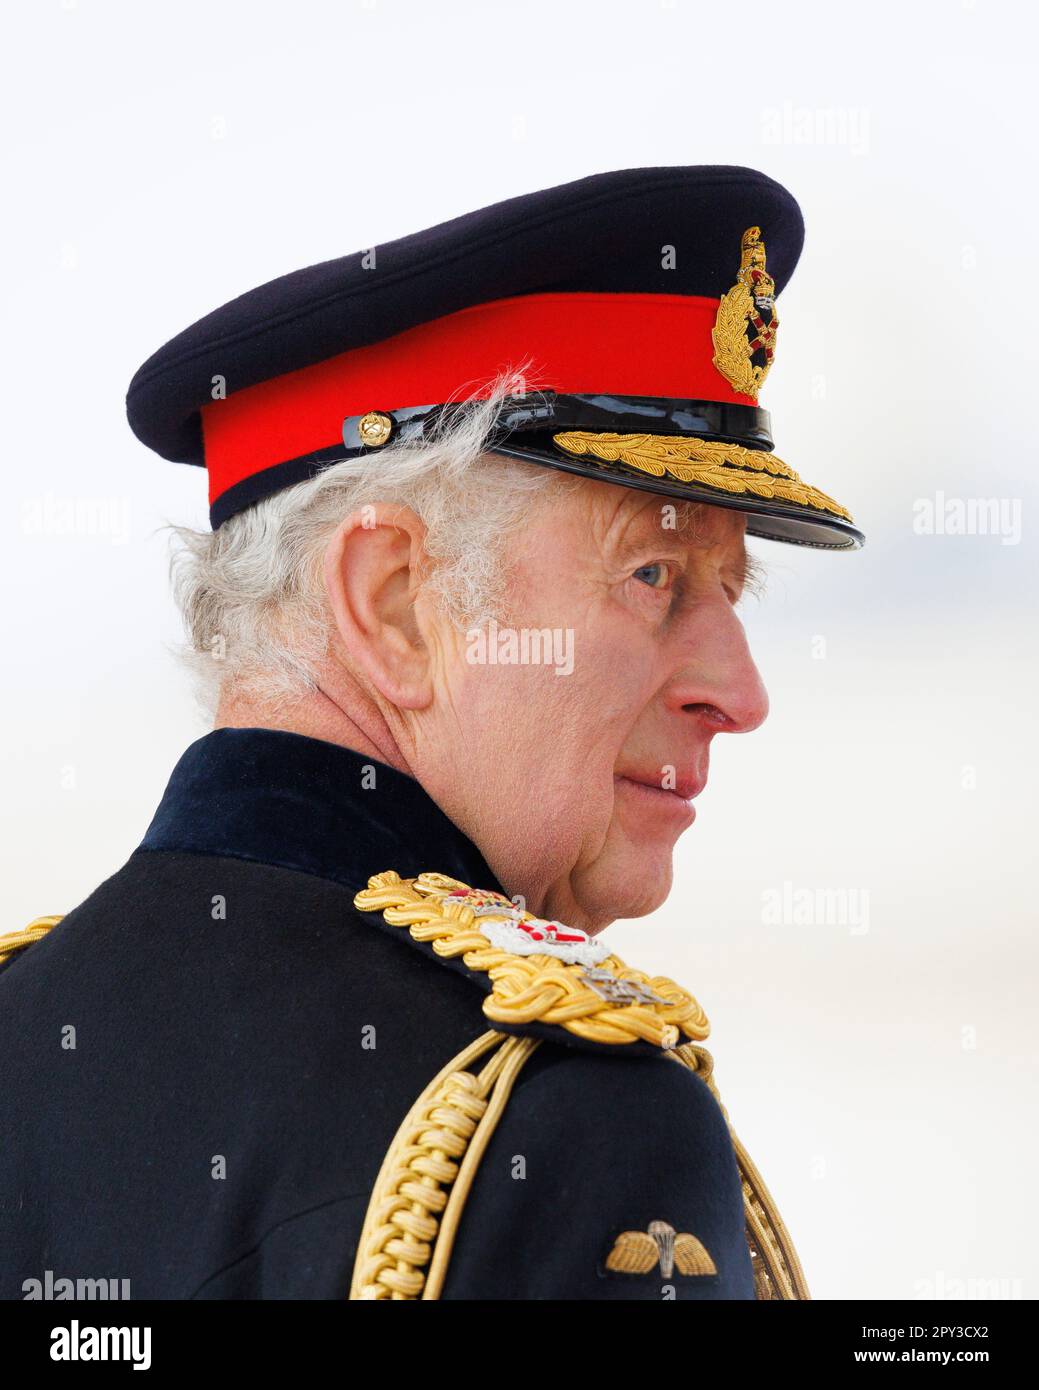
(162, 158)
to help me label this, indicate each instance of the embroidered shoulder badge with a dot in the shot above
(638, 1252)
(540, 971)
(745, 327)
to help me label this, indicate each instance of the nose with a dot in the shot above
(718, 680)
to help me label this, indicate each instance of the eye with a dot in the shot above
(656, 576)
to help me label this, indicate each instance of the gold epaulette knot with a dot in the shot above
(540, 971)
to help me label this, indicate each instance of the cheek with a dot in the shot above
(526, 726)
(563, 703)
(528, 706)
(617, 666)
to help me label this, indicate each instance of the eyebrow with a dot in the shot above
(752, 574)
(748, 572)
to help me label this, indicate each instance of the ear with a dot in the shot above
(373, 568)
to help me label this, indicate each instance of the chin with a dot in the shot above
(633, 889)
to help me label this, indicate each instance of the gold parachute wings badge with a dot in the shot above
(660, 1245)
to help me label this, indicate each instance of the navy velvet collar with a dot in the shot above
(300, 803)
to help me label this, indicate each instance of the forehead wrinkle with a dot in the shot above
(613, 516)
(694, 531)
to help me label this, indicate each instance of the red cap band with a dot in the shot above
(619, 344)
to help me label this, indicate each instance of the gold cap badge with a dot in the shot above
(745, 327)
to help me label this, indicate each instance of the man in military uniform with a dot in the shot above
(347, 1023)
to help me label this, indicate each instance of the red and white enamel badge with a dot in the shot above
(504, 926)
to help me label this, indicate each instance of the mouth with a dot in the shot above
(676, 802)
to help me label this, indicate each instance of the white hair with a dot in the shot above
(251, 592)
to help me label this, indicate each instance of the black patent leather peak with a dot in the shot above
(601, 413)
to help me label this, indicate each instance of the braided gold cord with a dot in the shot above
(535, 988)
(769, 1232)
(16, 940)
(404, 1200)
(726, 467)
(512, 1055)
(428, 1170)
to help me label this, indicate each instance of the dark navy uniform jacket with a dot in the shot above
(217, 1127)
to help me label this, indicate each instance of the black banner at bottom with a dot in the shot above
(164, 1340)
